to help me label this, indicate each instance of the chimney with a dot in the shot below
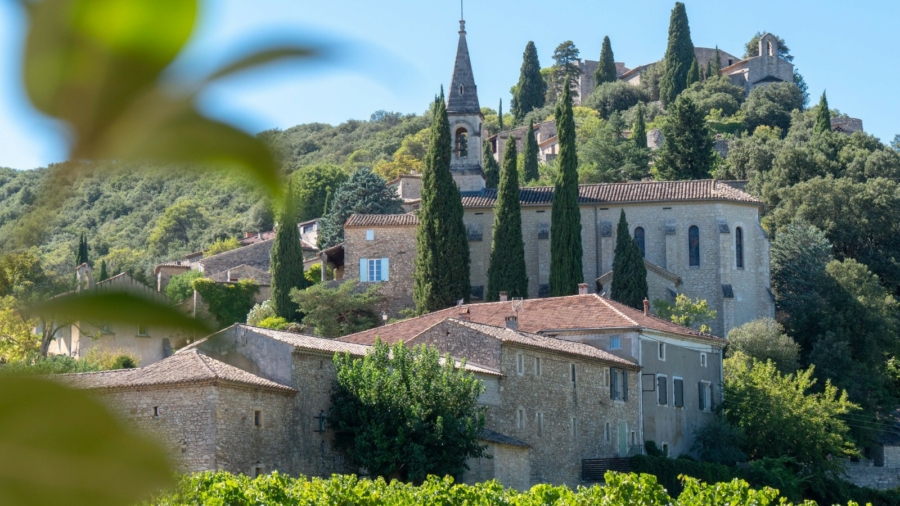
(503, 296)
(248, 235)
(512, 322)
(464, 314)
(646, 306)
(582, 288)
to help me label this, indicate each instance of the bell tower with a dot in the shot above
(466, 121)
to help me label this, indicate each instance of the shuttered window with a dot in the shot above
(373, 270)
(663, 390)
(678, 392)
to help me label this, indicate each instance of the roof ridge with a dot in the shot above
(620, 313)
(200, 357)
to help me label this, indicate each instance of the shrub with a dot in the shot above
(228, 302)
(617, 96)
(179, 287)
(274, 323)
(260, 312)
(221, 246)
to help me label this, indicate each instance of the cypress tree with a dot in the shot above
(709, 70)
(639, 130)
(693, 74)
(629, 283)
(679, 55)
(81, 257)
(506, 271)
(441, 277)
(606, 67)
(491, 167)
(287, 261)
(823, 116)
(531, 155)
(718, 60)
(565, 223)
(103, 272)
(500, 114)
(687, 152)
(531, 88)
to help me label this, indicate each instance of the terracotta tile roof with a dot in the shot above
(382, 220)
(496, 437)
(507, 335)
(537, 315)
(622, 193)
(183, 367)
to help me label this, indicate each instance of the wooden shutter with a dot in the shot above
(700, 390)
(662, 390)
(363, 269)
(384, 269)
(613, 380)
(678, 386)
(624, 384)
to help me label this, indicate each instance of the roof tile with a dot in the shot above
(382, 220)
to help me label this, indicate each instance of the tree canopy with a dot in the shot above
(363, 193)
(565, 222)
(679, 57)
(506, 271)
(565, 71)
(531, 90)
(334, 312)
(687, 151)
(629, 283)
(286, 262)
(606, 66)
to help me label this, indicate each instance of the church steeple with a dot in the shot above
(463, 96)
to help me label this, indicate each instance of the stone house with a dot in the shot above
(766, 68)
(149, 343)
(544, 133)
(409, 189)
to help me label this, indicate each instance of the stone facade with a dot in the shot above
(864, 474)
(846, 125)
(507, 463)
(766, 68)
(544, 133)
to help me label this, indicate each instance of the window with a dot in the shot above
(633, 438)
(142, 330)
(574, 376)
(703, 360)
(739, 247)
(665, 449)
(618, 385)
(257, 418)
(540, 424)
(606, 432)
(662, 390)
(520, 364)
(639, 239)
(373, 270)
(574, 427)
(258, 471)
(678, 392)
(705, 403)
(462, 143)
(155, 411)
(537, 366)
(615, 343)
(370, 235)
(694, 246)
(661, 351)
(106, 327)
(520, 418)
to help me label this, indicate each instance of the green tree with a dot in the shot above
(719, 443)
(311, 185)
(749, 155)
(364, 193)
(606, 66)
(261, 218)
(500, 115)
(679, 57)
(287, 262)
(616, 96)
(104, 273)
(710, 71)
(690, 313)
(565, 222)
(764, 340)
(180, 287)
(629, 283)
(491, 167)
(606, 156)
(751, 48)
(716, 92)
(181, 223)
(693, 75)
(260, 312)
(687, 151)
(823, 116)
(565, 70)
(530, 172)
(531, 90)
(506, 271)
(334, 312)
(442, 249)
(782, 415)
(771, 105)
(639, 130)
(403, 412)
(82, 256)
(221, 246)
(229, 303)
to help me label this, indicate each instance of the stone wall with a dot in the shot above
(846, 125)
(864, 474)
(398, 245)
(78, 340)
(507, 463)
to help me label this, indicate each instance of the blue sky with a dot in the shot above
(395, 55)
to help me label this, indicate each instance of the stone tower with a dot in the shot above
(466, 120)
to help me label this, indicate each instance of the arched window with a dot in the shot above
(739, 247)
(639, 239)
(694, 246)
(462, 143)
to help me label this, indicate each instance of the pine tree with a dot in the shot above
(287, 261)
(639, 130)
(687, 152)
(823, 116)
(506, 271)
(606, 67)
(531, 88)
(530, 171)
(693, 75)
(565, 70)
(103, 272)
(442, 249)
(565, 223)
(500, 115)
(629, 283)
(491, 167)
(679, 55)
(364, 193)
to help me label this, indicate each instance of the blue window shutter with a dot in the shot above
(624, 384)
(363, 269)
(384, 269)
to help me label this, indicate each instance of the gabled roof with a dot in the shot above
(244, 271)
(382, 220)
(184, 367)
(623, 193)
(575, 312)
(496, 437)
(463, 95)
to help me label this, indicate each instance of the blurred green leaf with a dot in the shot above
(117, 307)
(262, 58)
(61, 446)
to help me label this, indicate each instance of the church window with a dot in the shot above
(739, 247)
(639, 239)
(694, 246)
(462, 143)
